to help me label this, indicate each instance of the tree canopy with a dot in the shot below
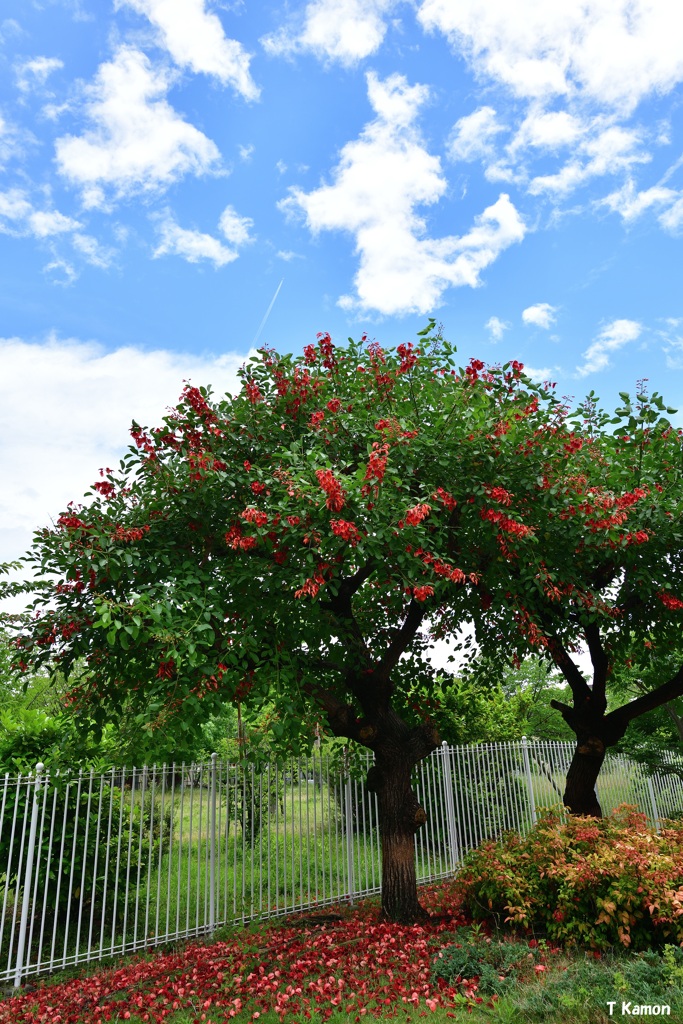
(302, 543)
(290, 544)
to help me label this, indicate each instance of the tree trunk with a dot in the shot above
(579, 795)
(400, 816)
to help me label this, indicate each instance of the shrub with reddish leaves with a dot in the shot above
(588, 882)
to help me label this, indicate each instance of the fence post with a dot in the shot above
(27, 878)
(212, 854)
(529, 780)
(348, 814)
(653, 803)
(450, 804)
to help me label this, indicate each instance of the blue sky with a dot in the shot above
(514, 170)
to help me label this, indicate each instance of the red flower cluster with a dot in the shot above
(375, 469)
(422, 593)
(334, 405)
(166, 669)
(131, 533)
(669, 601)
(474, 369)
(345, 530)
(253, 393)
(252, 515)
(317, 418)
(639, 537)
(105, 488)
(416, 514)
(195, 399)
(445, 498)
(257, 487)
(500, 495)
(505, 523)
(72, 522)
(332, 488)
(409, 357)
(235, 539)
(326, 350)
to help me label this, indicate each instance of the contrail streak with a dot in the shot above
(263, 322)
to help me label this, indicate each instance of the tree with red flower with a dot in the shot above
(315, 554)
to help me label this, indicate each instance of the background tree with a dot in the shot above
(289, 545)
(605, 572)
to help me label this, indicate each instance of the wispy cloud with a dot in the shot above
(33, 74)
(496, 327)
(195, 39)
(18, 216)
(138, 142)
(610, 339)
(381, 180)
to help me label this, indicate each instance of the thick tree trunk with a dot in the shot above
(400, 816)
(580, 795)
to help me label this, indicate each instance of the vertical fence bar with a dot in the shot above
(653, 803)
(212, 870)
(27, 877)
(348, 816)
(450, 804)
(529, 780)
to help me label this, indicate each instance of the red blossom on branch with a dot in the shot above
(416, 514)
(345, 530)
(332, 488)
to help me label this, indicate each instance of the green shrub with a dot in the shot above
(587, 882)
(83, 840)
(497, 964)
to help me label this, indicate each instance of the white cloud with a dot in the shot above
(672, 219)
(19, 217)
(75, 402)
(138, 142)
(340, 30)
(246, 152)
(610, 339)
(540, 315)
(192, 246)
(95, 253)
(496, 327)
(195, 39)
(548, 129)
(630, 204)
(541, 373)
(472, 136)
(287, 255)
(614, 52)
(379, 181)
(235, 228)
(672, 336)
(610, 150)
(33, 74)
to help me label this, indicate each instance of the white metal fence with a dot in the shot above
(93, 866)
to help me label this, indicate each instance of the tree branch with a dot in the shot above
(402, 638)
(649, 701)
(600, 663)
(579, 686)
